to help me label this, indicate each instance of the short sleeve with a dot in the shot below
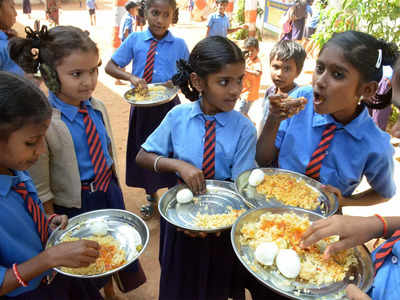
(160, 141)
(124, 53)
(210, 20)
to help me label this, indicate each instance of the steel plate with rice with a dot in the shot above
(122, 236)
(294, 187)
(216, 210)
(315, 277)
(157, 94)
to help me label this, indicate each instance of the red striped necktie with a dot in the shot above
(34, 210)
(148, 69)
(314, 166)
(385, 250)
(102, 173)
(209, 150)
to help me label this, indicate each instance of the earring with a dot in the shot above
(360, 100)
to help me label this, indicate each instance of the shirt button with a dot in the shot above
(154, 71)
(394, 259)
(156, 52)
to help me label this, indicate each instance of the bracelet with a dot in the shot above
(18, 276)
(50, 218)
(156, 162)
(385, 228)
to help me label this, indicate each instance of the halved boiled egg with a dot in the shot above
(184, 196)
(288, 263)
(256, 177)
(265, 253)
(99, 228)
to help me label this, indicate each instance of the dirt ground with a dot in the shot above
(73, 14)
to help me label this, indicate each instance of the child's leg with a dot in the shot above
(94, 18)
(109, 292)
(148, 210)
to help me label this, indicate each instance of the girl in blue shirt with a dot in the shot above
(201, 266)
(143, 120)
(347, 71)
(8, 16)
(68, 61)
(24, 262)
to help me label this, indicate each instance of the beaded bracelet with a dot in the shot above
(156, 162)
(18, 276)
(385, 228)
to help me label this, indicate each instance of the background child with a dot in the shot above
(167, 50)
(218, 22)
(252, 77)
(79, 144)
(24, 118)
(286, 61)
(348, 70)
(215, 70)
(128, 20)
(8, 16)
(140, 18)
(91, 5)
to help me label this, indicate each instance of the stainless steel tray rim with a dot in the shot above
(172, 92)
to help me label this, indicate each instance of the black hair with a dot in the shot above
(363, 52)
(130, 4)
(285, 50)
(251, 42)
(21, 103)
(171, 3)
(54, 45)
(222, 1)
(209, 56)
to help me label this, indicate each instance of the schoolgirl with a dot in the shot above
(24, 227)
(201, 266)
(153, 53)
(77, 173)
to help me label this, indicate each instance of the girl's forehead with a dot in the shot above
(160, 4)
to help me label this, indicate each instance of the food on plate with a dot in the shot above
(145, 94)
(184, 196)
(303, 265)
(111, 256)
(289, 190)
(256, 177)
(288, 263)
(208, 221)
(99, 228)
(265, 253)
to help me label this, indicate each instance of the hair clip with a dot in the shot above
(379, 61)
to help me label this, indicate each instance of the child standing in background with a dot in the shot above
(333, 139)
(197, 265)
(25, 262)
(286, 61)
(252, 76)
(218, 23)
(80, 150)
(91, 5)
(128, 20)
(153, 53)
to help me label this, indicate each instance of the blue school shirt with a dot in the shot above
(181, 136)
(91, 4)
(135, 47)
(358, 148)
(74, 122)
(386, 282)
(6, 63)
(19, 235)
(218, 24)
(126, 23)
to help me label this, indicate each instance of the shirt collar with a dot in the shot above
(7, 182)
(3, 36)
(353, 128)
(68, 110)
(149, 36)
(221, 118)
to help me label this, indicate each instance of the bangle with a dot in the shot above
(50, 218)
(18, 276)
(156, 162)
(385, 228)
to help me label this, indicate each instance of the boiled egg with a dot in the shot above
(99, 228)
(265, 253)
(288, 263)
(256, 177)
(184, 196)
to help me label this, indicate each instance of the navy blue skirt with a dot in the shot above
(142, 122)
(63, 288)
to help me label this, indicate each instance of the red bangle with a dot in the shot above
(385, 229)
(18, 276)
(51, 217)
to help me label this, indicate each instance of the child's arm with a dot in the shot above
(208, 31)
(366, 198)
(70, 254)
(115, 71)
(191, 175)
(231, 30)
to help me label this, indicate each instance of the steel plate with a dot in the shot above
(155, 101)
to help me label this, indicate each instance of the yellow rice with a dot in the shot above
(208, 221)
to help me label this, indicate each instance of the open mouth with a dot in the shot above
(318, 98)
